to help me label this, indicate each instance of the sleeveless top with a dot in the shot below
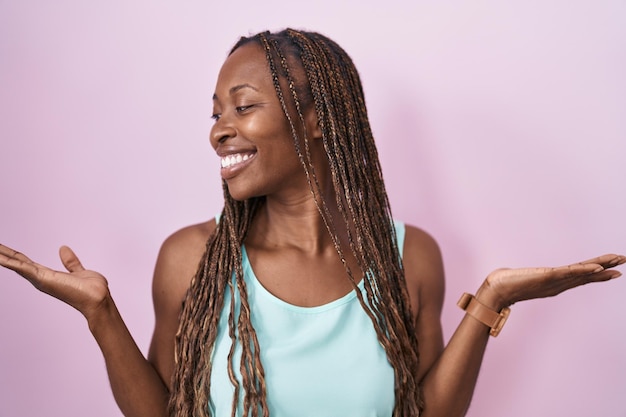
(323, 361)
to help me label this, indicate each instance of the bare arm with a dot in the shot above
(448, 376)
(426, 286)
(140, 386)
(448, 381)
(175, 267)
(136, 386)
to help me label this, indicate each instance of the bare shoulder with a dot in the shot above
(423, 267)
(189, 237)
(179, 257)
(188, 242)
(176, 265)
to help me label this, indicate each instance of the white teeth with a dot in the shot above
(230, 160)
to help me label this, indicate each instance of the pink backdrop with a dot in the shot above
(501, 130)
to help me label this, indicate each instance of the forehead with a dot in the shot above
(246, 65)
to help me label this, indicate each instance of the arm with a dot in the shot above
(176, 265)
(449, 378)
(141, 387)
(137, 384)
(449, 384)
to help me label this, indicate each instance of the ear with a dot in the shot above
(312, 124)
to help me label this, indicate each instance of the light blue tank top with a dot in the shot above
(322, 361)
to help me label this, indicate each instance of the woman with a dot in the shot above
(303, 297)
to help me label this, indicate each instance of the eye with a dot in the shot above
(241, 109)
(216, 116)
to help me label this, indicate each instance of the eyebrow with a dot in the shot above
(236, 88)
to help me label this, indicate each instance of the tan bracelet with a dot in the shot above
(484, 314)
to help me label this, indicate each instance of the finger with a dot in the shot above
(606, 275)
(579, 269)
(70, 260)
(619, 260)
(20, 264)
(13, 254)
(579, 274)
(607, 261)
(583, 269)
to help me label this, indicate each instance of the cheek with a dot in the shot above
(272, 138)
(255, 128)
(267, 126)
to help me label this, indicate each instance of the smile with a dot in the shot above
(230, 161)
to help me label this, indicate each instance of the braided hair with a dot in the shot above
(307, 69)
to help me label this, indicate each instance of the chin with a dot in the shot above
(241, 193)
(239, 196)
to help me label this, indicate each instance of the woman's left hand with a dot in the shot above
(508, 286)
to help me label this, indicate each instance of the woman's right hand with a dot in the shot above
(84, 290)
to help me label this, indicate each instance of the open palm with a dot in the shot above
(514, 285)
(82, 289)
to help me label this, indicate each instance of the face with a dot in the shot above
(251, 134)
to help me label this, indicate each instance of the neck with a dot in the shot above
(296, 223)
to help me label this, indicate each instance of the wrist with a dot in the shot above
(493, 319)
(489, 297)
(103, 313)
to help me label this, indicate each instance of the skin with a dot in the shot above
(287, 233)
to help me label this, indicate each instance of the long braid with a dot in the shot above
(356, 171)
(200, 315)
(332, 85)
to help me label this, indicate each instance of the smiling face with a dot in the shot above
(251, 134)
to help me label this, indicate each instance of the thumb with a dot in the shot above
(70, 260)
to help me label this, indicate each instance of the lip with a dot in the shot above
(233, 170)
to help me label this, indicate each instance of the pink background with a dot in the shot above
(501, 129)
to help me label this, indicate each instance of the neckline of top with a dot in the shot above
(247, 267)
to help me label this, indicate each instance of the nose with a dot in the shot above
(221, 131)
